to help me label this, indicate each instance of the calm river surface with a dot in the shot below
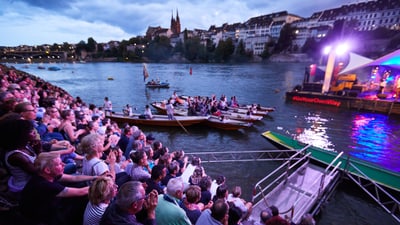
(369, 136)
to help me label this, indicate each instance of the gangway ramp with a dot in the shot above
(243, 156)
(295, 188)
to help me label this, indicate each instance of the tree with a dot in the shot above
(179, 47)
(240, 53)
(81, 49)
(91, 45)
(267, 49)
(159, 49)
(194, 50)
(224, 50)
(286, 37)
(311, 48)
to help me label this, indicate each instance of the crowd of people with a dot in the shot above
(64, 162)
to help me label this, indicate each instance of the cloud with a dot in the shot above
(41, 21)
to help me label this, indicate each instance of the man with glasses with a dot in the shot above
(26, 110)
(131, 199)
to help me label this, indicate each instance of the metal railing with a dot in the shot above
(331, 171)
(244, 156)
(287, 165)
(387, 201)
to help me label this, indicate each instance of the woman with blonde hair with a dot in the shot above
(92, 146)
(101, 192)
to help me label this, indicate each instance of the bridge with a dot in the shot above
(33, 55)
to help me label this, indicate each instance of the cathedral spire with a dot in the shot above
(175, 23)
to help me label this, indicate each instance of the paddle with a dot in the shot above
(181, 125)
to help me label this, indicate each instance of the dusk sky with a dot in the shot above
(36, 22)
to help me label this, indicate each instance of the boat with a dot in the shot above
(160, 107)
(226, 124)
(110, 78)
(258, 108)
(354, 166)
(157, 84)
(241, 116)
(157, 120)
(244, 110)
(41, 67)
(153, 83)
(54, 68)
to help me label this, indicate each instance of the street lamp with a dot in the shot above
(330, 65)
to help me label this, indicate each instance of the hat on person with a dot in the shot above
(13, 87)
(150, 137)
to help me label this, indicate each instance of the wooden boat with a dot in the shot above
(158, 120)
(157, 85)
(160, 107)
(244, 110)
(358, 167)
(241, 116)
(257, 108)
(226, 124)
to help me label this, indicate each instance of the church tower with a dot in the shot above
(175, 23)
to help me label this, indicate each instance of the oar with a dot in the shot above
(181, 125)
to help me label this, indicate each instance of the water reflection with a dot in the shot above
(373, 137)
(316, 134)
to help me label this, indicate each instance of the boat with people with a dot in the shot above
(157, 120)
(153, 83)
(160, 107)
(229, 114)
(156, 84)
(349, 164)
(224, 123)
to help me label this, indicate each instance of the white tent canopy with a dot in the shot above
(356, 62)
(390, 60)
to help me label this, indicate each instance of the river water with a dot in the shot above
(368, 136)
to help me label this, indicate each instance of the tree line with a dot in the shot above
(192, 49)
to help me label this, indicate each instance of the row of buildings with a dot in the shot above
(258, 31)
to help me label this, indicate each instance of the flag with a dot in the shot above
(145, 73)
